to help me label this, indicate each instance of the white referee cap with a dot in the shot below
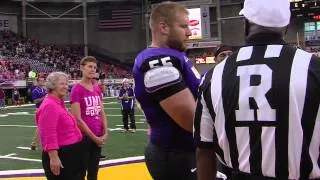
(267, 13)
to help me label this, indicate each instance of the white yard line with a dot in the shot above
(8, 155)
(24, 148)
(11, 125)
(28, 105)
(120, 129)
(36, 171)
(22, 159)
(121, 115)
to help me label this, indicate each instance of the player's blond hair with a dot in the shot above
(166, 12)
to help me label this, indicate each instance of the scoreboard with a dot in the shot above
(312, 33)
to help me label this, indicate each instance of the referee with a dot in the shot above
(259, 109)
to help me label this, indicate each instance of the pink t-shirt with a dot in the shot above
(90, 105)
(56, 126)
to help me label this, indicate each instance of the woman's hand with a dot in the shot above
(105, 137)
(55, 165)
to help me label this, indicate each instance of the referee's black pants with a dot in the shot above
(125, 114)
(72, 158)
(171, 164)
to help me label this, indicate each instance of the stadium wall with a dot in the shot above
(233, 29)
(121, 42)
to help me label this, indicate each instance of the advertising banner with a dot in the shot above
(195, 24)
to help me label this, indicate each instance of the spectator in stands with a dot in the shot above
(2, 99)
(127, 98)
(16, 97)
(61, 139)
(222, 52)
(87, 106)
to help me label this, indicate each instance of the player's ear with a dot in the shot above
(164, 28)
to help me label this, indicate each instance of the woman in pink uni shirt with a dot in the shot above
(61, 139)
(87, 106)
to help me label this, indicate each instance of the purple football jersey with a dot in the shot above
(159, 73)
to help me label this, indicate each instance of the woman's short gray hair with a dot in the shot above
(51, 81)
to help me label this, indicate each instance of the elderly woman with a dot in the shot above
(61, 139)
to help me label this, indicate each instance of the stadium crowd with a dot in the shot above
(20, 55)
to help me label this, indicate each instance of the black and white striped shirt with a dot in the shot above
(259, 110)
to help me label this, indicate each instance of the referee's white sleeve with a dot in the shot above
(203, 124)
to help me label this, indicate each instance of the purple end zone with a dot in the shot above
(42, 174)
(22, 175)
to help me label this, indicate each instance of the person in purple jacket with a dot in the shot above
(87, 106)
(166, 86)
(126, 95)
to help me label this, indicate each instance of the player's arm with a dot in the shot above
(206, 164)
(203, 137)
(180, 107)
(205, 154)
(166, 85)
(76, 111)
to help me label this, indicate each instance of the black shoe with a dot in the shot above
(102, 156)
(33, 148)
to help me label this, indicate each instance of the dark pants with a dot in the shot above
(93, 152)
(72, 158)
(125, 114)
(170, 164)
